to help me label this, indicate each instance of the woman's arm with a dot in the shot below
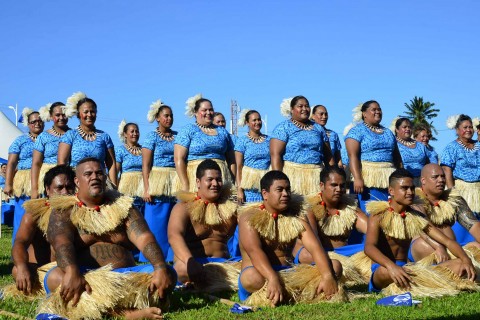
(180, 157)
(240, 193)
(449, 176)
(111, 165)
(64, 150)
(11, 167)
(353, 150)
(37, 162)
(147, 156)
(277, 150)
(232, 165)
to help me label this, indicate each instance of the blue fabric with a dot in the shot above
(233, 245)
(8, 210)
(157, 215)
(302, 146)
(461, 234)
(414, 159)
(296, 260)
(334, 140)
(238, 309)
(23, 146)
(255, 155)
(204, 146)
(398, 300)
(162, 149)
(432, 154)
(47, 144)
(349, 249)
(128, 161)
(344, 154)
(82, 148)
(370, 194)
(410, 255)
(18, 214)
(45, 280)
(243, 294)
(49, 316)
(464, 164)
(252, 196)
(2, 182)
(375, 266)
(374, 147)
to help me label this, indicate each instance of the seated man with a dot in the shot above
(443, 208)
(333, 216)
(96, 228)
(30, 248)
(392, 226)
(268, 232)
(201, 224)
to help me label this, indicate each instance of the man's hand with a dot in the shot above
(195, 270)
(23, 279)
(441, 254)
(274, 290)
(467, 268)
(161, 281)
(399, 276)
(73, 285)
(328, 285)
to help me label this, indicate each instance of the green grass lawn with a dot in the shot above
(189, 306)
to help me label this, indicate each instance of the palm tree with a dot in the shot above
(420, 112)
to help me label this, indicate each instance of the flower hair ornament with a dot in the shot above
(121, 126)
(190, 108)
(392, 125)
(241, 117)
(45, 112)
(452, 121)
(475, 122)
(154, 107)
(285, 108)
(357, 118)
(25, 113)
(72, 101)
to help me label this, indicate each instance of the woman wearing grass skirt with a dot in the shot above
(372, 152)
(159, 176)
(422, 133)
(46, 146)
(460, 161)
(320, 116)
(299, 147)
(20, 155)
(202, 140)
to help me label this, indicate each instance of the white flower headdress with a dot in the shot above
(190, 108)
(25, 113)
(476, 122)
(121, 126)
(45, 112)
(452, 121)
(392, 125)
(285, 108)
(154, 107)
(72, 101)
(241, 117)
(348, 127)
(357, 118)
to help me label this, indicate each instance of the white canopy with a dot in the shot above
(8, 133)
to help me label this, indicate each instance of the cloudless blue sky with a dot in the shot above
(126, 54)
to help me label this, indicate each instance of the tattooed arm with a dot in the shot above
(61, 234)
(141, 236)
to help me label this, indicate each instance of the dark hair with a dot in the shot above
(89, 159)
(205, 165)
(163, 106)
(3, 164)
(54, 105)
(34, 112)
(399, 122)
(56, 171)
(367, 104)
(199, 101)
(249, 113)
(399, 174)
(85, 100)
(325, 173)
(218, 114)
(318, 106)
(295, 100)
(125, 128)
(271, 176)
(461, 118)
(419, 127)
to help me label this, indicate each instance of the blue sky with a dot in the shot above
(126, 54)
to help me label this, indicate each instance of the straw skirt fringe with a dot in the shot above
(304, 178)
(22, 183)
(470, 191)
(192, 172)
(130, 183)
(376, 174)
(43, 170)
(251, 178)
(161, 182)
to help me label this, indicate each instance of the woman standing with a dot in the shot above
(159, 176)
(86, 140)
(423, 134)
(20, 155)
(299, 147)
(202, 140)
(373, 154)
(46, 146)
(320, 116)
(414, 154)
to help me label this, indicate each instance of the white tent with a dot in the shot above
(8, 133)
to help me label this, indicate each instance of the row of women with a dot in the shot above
(300, 146)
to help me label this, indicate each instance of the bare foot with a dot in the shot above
(148, 313)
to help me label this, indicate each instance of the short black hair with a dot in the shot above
(89, 159)
(325, 174)
(461, 118)
(205, 165)
(54, 105)
(85, 100)
(399, 174)
(271, 176)
(56, 171)
(318, 106)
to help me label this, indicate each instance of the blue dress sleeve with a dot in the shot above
(68, 137)
(40, 144)
(449, 156)
(280, 133)
(183, 137)
(15, 147)
(149, 142)
(240, 145)
(108, 141)
(355, 134)
(119, 155)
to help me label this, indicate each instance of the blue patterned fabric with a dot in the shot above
(2, 182)
(129, 162)
(465, 164)
(344, 154)
(47, 144)
(255, 155)
(302, 146)
(23, 146)
(374, 147)
(82, 148)
(414, 159)
(334, 140)
(162, 149)
(203, 146)
(432, 154)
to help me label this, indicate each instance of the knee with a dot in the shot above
(252, 280)
(305, 257)
(337, 268)
(54, 279)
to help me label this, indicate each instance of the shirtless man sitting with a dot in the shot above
(95, 240)
(198, 234)
(264, 253)
(389, 237)
(443, 208)
(30, 248)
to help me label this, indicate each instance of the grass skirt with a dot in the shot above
(192, 172)
(22, 183)
(351, 276)
(363, 264)
(43, 170)
(470, 191)
(376, 174)
(130, 183)
(161, 182)
(251, 178)
(220, 276)
(304, 178)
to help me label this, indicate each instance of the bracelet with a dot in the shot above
(160, 267)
